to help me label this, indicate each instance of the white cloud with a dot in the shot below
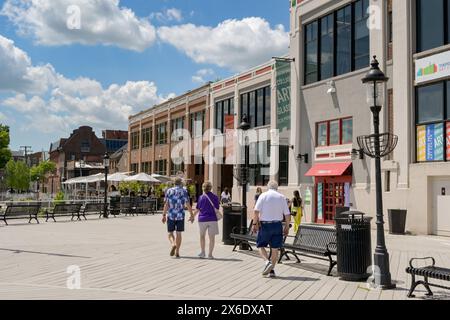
(60, 104)
(235, 44)
(168, 15)
(203, 75)
(55, 23)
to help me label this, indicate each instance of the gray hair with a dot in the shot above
(178, 181)
(273, 185)
(207, 186)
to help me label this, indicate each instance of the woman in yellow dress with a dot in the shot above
(297, 210)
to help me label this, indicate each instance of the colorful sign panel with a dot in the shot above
(320, 201)
(448, 141)
(433, 67)
(283, 69)
(430, 142)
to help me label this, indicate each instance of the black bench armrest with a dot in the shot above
(331, 243)
(426, 258)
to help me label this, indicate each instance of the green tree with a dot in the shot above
(17, 175)
(38, 173)
(5, 153)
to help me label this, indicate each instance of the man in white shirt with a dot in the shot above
(271, 210)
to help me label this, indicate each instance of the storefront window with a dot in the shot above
(259, 163)
(430, 24)
(347, 131)
(334, 133)
(322, 134)
(283, 175)
(433, 131)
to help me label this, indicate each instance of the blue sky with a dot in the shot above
(123, 57)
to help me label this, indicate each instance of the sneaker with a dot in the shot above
(210, 257)
(272, 274)
(267, 268)
(172, 251)
(202, 255)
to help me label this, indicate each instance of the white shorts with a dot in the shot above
(212, 227)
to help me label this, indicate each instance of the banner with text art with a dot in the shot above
(283, 81)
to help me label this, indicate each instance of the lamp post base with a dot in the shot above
(382, 276)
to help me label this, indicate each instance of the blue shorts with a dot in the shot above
(270, 234)
(175, 225)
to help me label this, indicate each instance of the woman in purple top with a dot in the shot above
(207, 219)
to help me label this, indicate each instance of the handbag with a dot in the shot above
(219, 214)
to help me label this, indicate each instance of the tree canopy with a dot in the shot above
(17, 175)
(38, 173)
(5, 153)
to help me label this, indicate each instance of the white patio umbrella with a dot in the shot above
(117, 177)
(161, 178)
(143, 177)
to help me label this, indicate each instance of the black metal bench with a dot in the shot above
(92, 208)
(247, 238)
(126, 206)
(64, 210)
(428, 272)
(145, 207)
(313, 241)
(21, 211)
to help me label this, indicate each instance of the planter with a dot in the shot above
(397, 221)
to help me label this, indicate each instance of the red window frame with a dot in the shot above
(328, 122)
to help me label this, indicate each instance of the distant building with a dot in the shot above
(114, 140)
(79, 155)
(18, 155)
(119, 160)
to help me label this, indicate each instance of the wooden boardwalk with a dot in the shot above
(128, 258)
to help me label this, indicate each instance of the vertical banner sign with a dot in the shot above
(448, 141)
(429, 140)
(229, 140)
(421, 143)
(283, 69)
(439, 142)
(319, 201)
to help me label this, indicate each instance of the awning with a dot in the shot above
(328, 169)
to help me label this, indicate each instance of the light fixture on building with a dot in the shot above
(331, 87)
(357, 153)
(304, 157)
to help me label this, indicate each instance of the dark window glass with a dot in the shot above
(260, 107)
(219, 116)
(311, 53)
(231, 106)
(430, 25)
(448, 100)
(283, 176)
(347, 131)
(326, 46)
(252, 109)
(430, 103)
(344, 40)
(244, 105)
(362, 35)
(267, 105)
(334, 132)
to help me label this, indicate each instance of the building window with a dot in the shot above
(334, 132)
(161, 133)
(134, 140)
(432, 122)
(134, 168)
(161, 167)
(256, 105)
(197, 122)
(146, 167)
(259, 163)
(327, 46)
(176, 168)
(177, 124)
(199, 166)
(147, 137)
(432, 17)
(344, 40)
(311, 52)
(390, 30)
(223, 108)
(85, 146)
(343, 45)
(283, 175)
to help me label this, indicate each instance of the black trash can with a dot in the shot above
(341, 210)
(354, 252)
(231, 220)
(397, 221)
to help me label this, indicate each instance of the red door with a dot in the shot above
(330, 193)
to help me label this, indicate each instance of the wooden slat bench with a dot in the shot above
(21, 211)
(428, 272)
(313, 241)
(90, 209)
(64, 210)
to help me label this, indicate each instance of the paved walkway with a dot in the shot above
(127, 258)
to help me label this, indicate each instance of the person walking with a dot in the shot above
(207, 219)
(297, 210)
(176, 200)
(258, 193)
(271, 210)
(225, 197)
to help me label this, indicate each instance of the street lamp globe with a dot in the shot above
(106, 160)
(374, 81)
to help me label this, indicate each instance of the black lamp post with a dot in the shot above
(105, 204)
(244, 126)
(375, 80)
